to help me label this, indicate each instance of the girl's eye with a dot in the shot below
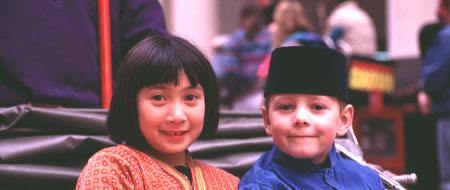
(191, 97)
(286, 107)
(158, 97)
(317, 107)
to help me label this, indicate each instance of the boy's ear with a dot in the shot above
(265, 116)
(346, 120)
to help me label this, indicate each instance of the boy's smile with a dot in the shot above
(305, 126)
(171, 117)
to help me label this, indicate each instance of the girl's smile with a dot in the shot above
(174, 135)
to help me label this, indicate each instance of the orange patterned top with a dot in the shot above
(123, 167)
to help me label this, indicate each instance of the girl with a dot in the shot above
(166, 97)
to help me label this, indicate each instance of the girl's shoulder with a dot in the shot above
(122, 157)
(120, 152)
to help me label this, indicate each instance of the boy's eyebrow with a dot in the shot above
(310, 97)
(282, 97)
(321, 97)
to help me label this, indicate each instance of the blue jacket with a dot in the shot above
(436, 72)
(277, 170)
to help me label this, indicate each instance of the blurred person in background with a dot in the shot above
(49, 52)
(292, 28)
(267, 7)
(353, 25)
(237, 59)
(427, 35)
(353, 32)
(436, 85)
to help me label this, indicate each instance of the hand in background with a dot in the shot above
(424, 102)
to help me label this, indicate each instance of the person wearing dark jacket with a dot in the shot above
(49, 53)
(436, 84)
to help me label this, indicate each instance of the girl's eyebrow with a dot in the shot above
(164, 86)
(198, 87)
(159, 86)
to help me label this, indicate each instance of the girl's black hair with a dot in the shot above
(159, 60)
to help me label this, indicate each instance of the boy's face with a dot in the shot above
(305, 126)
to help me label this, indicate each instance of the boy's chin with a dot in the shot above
(314, 157)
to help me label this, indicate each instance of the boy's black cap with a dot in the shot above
(307, 70)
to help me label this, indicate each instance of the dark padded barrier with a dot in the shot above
(46, 148)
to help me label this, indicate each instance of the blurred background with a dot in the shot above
(49, 58)
(397, 22)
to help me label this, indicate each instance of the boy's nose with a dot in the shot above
(176, 114)
(301, 117)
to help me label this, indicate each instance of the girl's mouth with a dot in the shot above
(174, 133)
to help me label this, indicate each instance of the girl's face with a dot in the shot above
(171, 116)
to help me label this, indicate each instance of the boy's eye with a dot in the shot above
(317, 107)
(191, 97)
(286, 107)
(158, 98)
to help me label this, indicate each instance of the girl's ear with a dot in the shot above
(267, 125)
(346, 120)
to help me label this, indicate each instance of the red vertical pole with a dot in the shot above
(376, 101)
(105, 52)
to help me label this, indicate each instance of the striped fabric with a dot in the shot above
(123, 167)
(246, 54)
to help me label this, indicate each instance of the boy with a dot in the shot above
(305, 108)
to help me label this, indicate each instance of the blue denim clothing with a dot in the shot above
(277, 170)
(436, 72)
(436, 83)
(443, 148)
(49, 52)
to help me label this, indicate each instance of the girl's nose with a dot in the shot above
(301, 118)
(177, 114)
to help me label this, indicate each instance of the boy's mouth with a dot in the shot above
(302, 136)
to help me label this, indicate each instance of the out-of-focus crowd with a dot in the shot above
(241, 59)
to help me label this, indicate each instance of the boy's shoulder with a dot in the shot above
(356, 168)
(359, 174)
(259, 179)
(346, 173)
(261, 175)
